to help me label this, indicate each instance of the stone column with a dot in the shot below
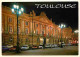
(6, 24)
(22, 27)
(15, 25)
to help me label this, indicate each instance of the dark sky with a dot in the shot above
(69, 16)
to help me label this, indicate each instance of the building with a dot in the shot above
(75, 37)
(44, 31)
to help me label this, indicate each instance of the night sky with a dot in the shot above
(69, 16)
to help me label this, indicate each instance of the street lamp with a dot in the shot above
(76, 31)
(62, 26)
(18, 11)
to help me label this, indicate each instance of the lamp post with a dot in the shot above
(61, 26)
(18, 11)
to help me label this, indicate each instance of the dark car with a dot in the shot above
(13, 48)
(4, 48)
(34, 47)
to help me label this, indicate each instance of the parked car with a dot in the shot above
(63, 44)
(69, 44)
(9, 46)
(13, 48)
(4, 48)
(34, 47)
(52, 46)
(47, 46)
(41, 46)
(25, 47)
(55, 45)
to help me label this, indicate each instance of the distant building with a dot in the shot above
(75, 38)
(44, 30)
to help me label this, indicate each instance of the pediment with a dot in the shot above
(45, 20)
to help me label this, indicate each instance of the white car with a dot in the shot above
(41, 46)
(52, 46)
(9, 46)
(63, 44)
(55, 45)
(25, 47)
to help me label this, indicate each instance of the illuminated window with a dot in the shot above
(26, 23)
(10, 19)
(10, 28)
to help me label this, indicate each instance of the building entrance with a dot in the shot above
(41, 41)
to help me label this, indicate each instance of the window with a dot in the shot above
(26, 31)
(52, 34)
(10, 28)
(26, 23)
(47, 27)
(43, 25)
(40, 28)
(42, 32)
(10, 19)
(36, 25)
(55, 30)
(36, 31)
(48, 33)
(18, 30)
(18, 21)
(11, 39)
(50, 28)
(26, 40)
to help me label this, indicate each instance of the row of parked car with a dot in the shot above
(26, 47)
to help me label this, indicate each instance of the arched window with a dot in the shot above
(36, 31)
(10, 28)
(10, 19)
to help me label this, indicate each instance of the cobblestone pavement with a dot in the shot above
(69, 50)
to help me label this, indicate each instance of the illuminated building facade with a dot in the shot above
(75, 38)
(44, 30)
